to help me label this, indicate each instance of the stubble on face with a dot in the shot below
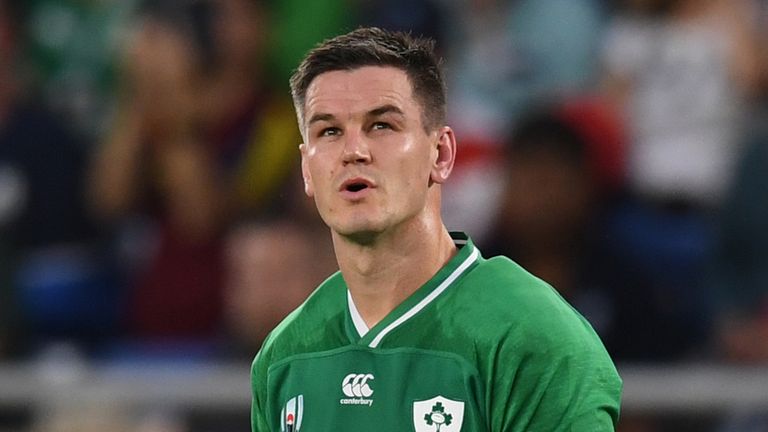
(365, 125)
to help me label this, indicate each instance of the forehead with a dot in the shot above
(359, 90)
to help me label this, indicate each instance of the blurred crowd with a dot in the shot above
(151, 207)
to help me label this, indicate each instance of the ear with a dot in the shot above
(309, 188)
(444, 155)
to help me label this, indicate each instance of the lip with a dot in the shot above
(349, 188)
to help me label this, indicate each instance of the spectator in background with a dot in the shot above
(558, 179)
(740, 265)
(52, 282)
(680, 72)
(558, 216)
(739, 275)
(563, 167)
(740, 269)
(300, 24)
(273, 267)
(200, 139)
(503, 56)
(72, 48)
(419, 17)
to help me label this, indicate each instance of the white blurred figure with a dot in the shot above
(682, 72)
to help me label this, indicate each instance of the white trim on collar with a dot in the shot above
(357, 319)
(426, 300)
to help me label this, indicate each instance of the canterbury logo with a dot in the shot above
(356, 385)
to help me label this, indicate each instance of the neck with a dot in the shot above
(382, 273)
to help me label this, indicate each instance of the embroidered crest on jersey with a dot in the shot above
(292, 414)
(438, 414)
(357, 388)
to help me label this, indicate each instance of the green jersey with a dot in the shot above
(482, 346)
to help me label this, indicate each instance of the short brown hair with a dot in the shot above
(371, 46)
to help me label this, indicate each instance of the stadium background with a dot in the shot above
(153, 228)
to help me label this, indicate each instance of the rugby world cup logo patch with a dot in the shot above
(292, 414)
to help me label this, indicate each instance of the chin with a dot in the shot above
(359, 233)
(363, 238)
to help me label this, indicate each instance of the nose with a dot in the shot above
(356, 150)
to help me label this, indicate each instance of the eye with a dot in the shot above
(380, 126)
(330, 131)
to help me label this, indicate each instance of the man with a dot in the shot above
(417, 332)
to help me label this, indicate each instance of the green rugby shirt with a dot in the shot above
(482, 346)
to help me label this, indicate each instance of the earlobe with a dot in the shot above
(445, 155)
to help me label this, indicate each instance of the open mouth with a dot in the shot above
(356, 187)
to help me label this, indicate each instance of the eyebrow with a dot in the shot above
(320, 117)
(379, 111)
(385, 109)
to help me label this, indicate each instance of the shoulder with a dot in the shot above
(501, 286)
(549, 349)
(510, 302)
(307, 328)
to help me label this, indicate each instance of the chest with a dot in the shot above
(375, 390)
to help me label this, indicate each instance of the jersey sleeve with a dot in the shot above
(258, 394)
(563, 380)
